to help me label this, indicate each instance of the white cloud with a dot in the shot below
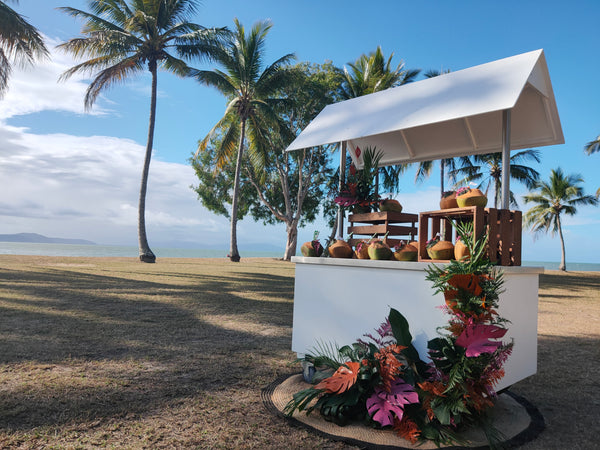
(88, 187)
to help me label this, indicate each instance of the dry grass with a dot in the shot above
(109, 352)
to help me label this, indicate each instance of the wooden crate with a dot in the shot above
(503, 227)
(396, 224)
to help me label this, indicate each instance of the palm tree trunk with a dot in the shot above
(442, 178)
(146, 254)
(234, 254)
(497, 190)
(563, 265)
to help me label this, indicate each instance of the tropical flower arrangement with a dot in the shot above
(382, 381)
(360, 189)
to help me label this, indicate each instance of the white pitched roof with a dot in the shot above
(455, 114)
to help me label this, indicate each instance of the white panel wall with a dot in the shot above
(338, 301)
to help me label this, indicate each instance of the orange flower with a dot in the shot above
(341, 380)
(437, 388)
(407, 429)
(467, 282)
(389, 365)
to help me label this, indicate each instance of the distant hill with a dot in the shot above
(38, 238)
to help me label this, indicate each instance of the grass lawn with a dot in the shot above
(110, 352)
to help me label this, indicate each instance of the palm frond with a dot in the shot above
(592, 146)
(109, 76)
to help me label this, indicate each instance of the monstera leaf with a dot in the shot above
(341, 380)
(384, 405)
(476, 339)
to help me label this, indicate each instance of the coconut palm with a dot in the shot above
(561, 194)
(373, 73)
(487, 170)
(20, 43)
(252, 96)
(127, 37)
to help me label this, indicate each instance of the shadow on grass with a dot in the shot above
(575, 282)
(77, 346)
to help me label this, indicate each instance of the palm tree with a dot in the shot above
(487, 169)
(372, 73)
(126, 37)
(560, 195)
(19, 42)
(252, 98)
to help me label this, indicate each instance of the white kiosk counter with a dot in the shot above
(339, 300)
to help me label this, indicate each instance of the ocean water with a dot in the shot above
(26, 248)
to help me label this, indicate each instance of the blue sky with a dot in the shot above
(70, 174)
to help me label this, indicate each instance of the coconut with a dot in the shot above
(460, 250)
(390, 205)
(340, 249)
(441, 250)
(362, 250)
(472, 198)
(312, 248)
(379, 250)
(408, 252)
(448, 200)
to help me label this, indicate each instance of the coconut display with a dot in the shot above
(390, 205)
(406, 252)
(470, 197)
(379, 250)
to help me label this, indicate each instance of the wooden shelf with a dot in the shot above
(395, 224)
(503, 227)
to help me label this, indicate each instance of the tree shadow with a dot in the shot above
(576, 282)
(78, 346)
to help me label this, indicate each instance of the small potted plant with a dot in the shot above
(467, 196)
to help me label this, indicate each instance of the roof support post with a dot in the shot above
(341, 187)
(505, 159)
